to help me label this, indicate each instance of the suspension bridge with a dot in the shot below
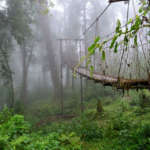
(127, 69)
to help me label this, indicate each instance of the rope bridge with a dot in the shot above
(119, 83)
(126, 69)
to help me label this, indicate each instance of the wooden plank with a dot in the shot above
(119, 83)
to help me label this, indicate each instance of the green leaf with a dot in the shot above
(135, 40)
(91, 49)
(103, 55)
(130, 21)
(88, 62)
(116, 47)
(97, 39)
(91, 70)
(118, 28)
(126, 40)
(100, 47)
(140, 10)
(113, 41)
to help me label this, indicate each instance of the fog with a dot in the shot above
(44, 40)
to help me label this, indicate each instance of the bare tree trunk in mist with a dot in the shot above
(54, 78)
(53, 67)
(10, 79)
(44, 78)
(24, 76)
(67, 77)
(25, 68)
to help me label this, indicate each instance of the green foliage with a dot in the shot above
(130, 32)
(15, 134)
(103, 55)
(87, 129)
(120, 123)
(90, 131)
(140, 99)
(15, 127)
(5, 115)
(120, 128)
(71, 140)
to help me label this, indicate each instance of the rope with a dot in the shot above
(125, 35)
(97, 18)
(141, 42)
(121, 28)
(138, 62)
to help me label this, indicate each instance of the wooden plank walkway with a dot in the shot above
(119, 83)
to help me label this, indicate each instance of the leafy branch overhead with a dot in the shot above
(126, 33)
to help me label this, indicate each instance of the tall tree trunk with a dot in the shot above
(67, 77)
(53, 67)
(24, 75)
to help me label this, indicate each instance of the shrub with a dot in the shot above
(87, 129)
(91, 131)
(144, 130)
(124, 105)
(15, 135)
(5, 115)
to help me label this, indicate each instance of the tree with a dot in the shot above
(48, 40)
(19, 13)
(5, 51)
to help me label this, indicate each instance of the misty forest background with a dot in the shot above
(43, 104)
(30, 31)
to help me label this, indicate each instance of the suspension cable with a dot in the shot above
(125, 35)
(141, 42)
(121, 28)
(97, 18)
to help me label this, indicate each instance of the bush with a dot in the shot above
(141, 98)
(90, 131)
(5, 115)
(144, 130)
(15, 135)
(87, 129)
(120, 123)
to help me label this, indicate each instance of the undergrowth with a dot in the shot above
(122, 126)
